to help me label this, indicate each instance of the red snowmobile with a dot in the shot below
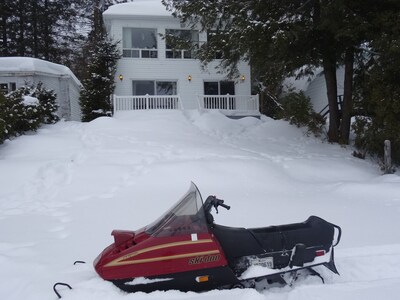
(185, 250)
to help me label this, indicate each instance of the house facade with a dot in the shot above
(151, 74)
(314, 87)
(16, 72)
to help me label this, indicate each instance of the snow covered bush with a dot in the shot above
(25, 109)
(4, 126)
(47, 104)
(297, 109)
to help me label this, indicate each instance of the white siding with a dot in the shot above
(316, 90)
(75, 108)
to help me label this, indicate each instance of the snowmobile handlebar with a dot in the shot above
(213, 201)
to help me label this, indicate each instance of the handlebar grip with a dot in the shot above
(225, 206)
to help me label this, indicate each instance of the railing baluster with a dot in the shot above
(219, 102)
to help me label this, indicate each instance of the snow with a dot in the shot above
(64, 189)
(138, 8)
(29, 64)
(143, 280)
(28, 100)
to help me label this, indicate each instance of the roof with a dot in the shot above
(34, 65)
(138, 8)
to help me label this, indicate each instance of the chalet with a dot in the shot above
(16, 72)
(152, 75)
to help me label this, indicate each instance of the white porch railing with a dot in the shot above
(229, 102)
(146, 102)
(230, 105)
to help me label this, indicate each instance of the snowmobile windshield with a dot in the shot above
(185, 217)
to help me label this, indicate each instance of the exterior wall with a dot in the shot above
(65, 88)
(316, 89)
(20, 80)
(75, 107)
(168, 69)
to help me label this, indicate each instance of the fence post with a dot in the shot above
(147, 101)
(113, 103)
(387, 158)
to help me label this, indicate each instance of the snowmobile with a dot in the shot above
(185, 250)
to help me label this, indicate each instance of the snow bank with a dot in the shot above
(63, 190)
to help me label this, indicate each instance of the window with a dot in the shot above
(219, 88)
(143, 87)
(166, 87)
(152, 87)
(178, 39)
(219, 95)
(5, 88)
(139, 42)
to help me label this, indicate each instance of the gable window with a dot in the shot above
(139, 42)
(153, 87)
(181, 43)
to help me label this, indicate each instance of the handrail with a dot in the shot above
(146, 102)
(229, 102)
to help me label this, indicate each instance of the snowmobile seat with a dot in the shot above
(313, 232)
(236, 242)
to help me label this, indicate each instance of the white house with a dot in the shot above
(151, 75)
(314, 87)
(16, 72)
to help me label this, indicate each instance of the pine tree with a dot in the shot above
(98, 83)
(5, 127)
(278, 37)
(377, 87)
(47, 104)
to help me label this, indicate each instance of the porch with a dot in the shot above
(230, 105)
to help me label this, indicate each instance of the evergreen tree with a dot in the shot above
(5, 127)
(98, 83)
(25, 109)
(278, 37)
(378, 89)
(47, 104)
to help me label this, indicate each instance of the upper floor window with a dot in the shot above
(139, 42)
(181, 43)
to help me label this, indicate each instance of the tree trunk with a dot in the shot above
(331, 88)
(21, 28)
(4, 18)
(35, 31)
(347, 96)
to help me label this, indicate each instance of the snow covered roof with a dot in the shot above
(138, 8)
(35, 65)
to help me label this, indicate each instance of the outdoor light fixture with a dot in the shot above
(189, 78)
(242, 78)
(121, 77)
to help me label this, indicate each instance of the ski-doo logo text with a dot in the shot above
(204, 259)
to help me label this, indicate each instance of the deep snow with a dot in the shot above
(65, 188)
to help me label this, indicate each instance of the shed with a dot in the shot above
(16, 72)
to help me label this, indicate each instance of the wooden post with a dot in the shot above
(387, 158)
